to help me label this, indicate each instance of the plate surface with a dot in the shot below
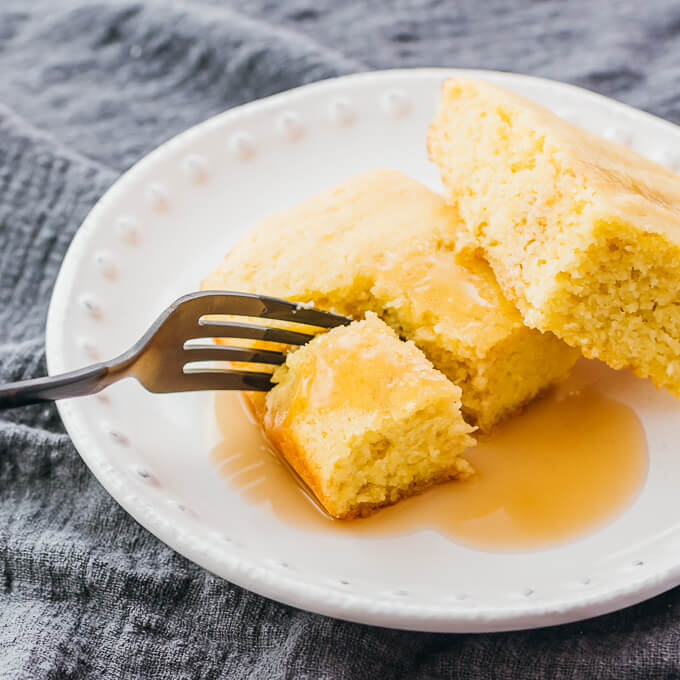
(171, 218)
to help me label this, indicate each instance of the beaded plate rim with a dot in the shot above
(274, 579)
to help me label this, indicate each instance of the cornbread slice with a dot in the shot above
(582, 234)
(365, 419)
(385, 243)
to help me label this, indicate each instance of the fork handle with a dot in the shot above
(78, 383)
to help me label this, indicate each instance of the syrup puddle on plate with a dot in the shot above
(567, 465)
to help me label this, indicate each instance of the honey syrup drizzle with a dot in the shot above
(567, 465)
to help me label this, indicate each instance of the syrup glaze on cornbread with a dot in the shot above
(365, 419)
(564, 467)
(383, 242)
(583, 234)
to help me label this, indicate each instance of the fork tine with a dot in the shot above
(231, 329)
(214, 379)
(284, 310)
(223, 353)
(248, 304)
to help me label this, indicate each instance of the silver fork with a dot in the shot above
(159, 360)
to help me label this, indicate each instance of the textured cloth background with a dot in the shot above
(86, 88)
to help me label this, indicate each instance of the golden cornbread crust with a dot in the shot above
(583, 234)
(385, 243)
(365, 419)
(296, 454)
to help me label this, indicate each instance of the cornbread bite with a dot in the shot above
(385, 243)
(365, 419)
(583, 234)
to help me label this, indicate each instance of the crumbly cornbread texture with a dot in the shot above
(365, 419)
(385, 243)
(582, 234)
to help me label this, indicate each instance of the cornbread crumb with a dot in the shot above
(583, 234)
(365, 419)
(385, 243)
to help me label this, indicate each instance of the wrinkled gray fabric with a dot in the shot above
(86, 88)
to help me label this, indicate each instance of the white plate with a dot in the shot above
(172, 217)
